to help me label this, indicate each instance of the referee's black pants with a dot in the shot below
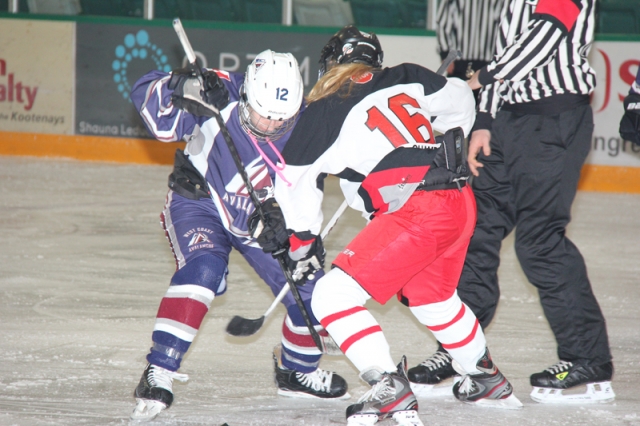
(528, 183)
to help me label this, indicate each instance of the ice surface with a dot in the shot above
(84, 264)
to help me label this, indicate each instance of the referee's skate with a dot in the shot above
(550, 384)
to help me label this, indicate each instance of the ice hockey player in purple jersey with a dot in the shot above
(207, 208)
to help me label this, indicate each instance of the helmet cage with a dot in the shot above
(260, 127)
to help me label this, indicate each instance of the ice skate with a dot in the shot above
(389, 397)
(154, 392)
(319, 384)
(548, 386)
(488, 388)
(431, 377)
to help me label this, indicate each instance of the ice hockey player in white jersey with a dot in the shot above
(206, 213)
(375, 128)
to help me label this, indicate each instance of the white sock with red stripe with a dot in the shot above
(456, 327)
(338, 303)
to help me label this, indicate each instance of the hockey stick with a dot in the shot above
(452, 56)
(191, 57)
(239, 326)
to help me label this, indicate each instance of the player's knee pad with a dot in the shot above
(207, 270)
(336, 292)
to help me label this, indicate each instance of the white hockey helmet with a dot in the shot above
(271, 95)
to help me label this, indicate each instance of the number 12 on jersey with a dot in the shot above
(377, 120)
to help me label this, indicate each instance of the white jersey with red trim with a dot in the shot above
(395, 110)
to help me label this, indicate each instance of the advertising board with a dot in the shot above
(36, 76)
(110, 58)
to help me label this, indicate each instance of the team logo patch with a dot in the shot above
(347, 48)
(364, 78)
(237, 195)
(259, 63)
(198, 238)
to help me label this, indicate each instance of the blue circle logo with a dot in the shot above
(135, 46)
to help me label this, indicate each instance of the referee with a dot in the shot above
(469, 26)
(531, 137)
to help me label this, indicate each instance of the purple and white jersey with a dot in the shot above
(207, 149)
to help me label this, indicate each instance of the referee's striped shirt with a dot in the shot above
(469, 26)
(541, 52)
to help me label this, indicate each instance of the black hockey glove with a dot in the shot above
(630, 123)
(191, 96)
(312, 260)
(272, 235)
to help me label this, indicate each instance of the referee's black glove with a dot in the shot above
(630, 123)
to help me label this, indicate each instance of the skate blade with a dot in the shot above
(600, 392)
(362, 420)
(407, 418)
(444, 388)
(509, 403)
(304, 395)
(147, 410)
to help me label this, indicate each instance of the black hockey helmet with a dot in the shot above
(350, 45)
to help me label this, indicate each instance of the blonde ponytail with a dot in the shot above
(336, 79)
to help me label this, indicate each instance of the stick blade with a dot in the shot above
(239, 326)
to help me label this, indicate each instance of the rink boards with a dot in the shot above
(64, 85)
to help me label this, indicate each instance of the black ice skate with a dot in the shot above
(319, 384)
(548, 386)
(488, 388)
(389, 397)
(435, 370)
(154, 393)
